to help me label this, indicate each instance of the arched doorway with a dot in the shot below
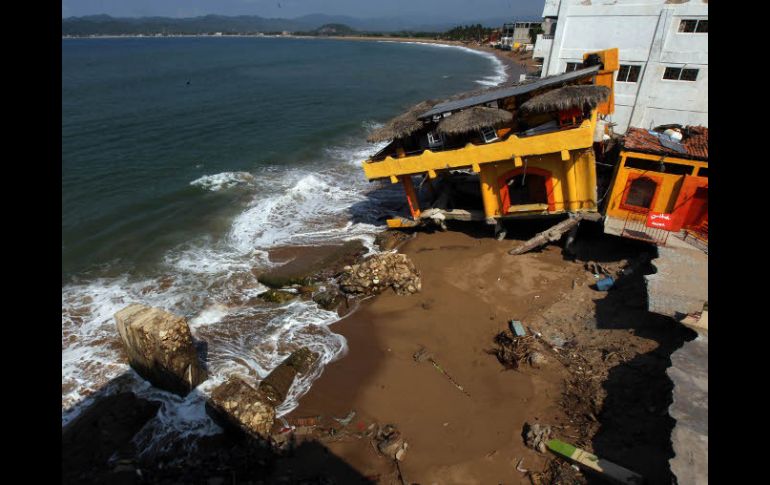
(528, 186)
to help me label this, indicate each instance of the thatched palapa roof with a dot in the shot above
(473, 119)
(402, 125)
(576, 96)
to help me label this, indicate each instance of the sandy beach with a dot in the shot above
(471, 289)
(600, 382)
(515, 63)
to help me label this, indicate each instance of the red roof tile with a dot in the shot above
(695, 142)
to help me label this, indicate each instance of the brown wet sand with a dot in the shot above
(471, 287)
(606, 391)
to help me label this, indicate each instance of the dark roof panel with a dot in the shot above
(508, 91)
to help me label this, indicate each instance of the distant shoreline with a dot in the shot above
(512, 65)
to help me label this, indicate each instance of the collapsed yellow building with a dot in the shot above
(528, 147)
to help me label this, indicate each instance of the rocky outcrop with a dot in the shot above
(308, 263)
(379, 272)
(160, 348)
(277, 296)
(276, 385)
(237, 405)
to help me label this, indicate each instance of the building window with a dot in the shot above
(640, 193)
(435, 140)
(628, 73)
(680, 74)
(574, 66)
(658, 166)
(488, 134)
(693, 25)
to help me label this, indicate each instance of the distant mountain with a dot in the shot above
(245, 24)
(335, 29)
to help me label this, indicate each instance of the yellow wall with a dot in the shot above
(574, 180)
(667, 193)
(581, 137)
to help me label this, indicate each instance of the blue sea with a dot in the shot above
(185, 160)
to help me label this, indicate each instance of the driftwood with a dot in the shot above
(549, 235)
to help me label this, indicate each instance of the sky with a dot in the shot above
(427, 9)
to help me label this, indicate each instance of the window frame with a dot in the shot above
(577, 65)
(630, 179)
(488, 134)
(679, 76)
(628, 73)
(695, 27)
(435, 139)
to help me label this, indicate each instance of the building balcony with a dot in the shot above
(543, 46)
(471, 156)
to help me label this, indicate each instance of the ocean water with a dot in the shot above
(184, 160)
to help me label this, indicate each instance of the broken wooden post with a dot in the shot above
(549, 235)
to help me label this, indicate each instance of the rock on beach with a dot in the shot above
(160, 348)
(379, 272)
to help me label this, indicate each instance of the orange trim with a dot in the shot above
(629, 180)
(502, 183)
(411, 196)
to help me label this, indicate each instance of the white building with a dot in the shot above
(663, 49)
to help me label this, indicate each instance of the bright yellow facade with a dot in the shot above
(670, 184)
(562, 160)
(565, 156)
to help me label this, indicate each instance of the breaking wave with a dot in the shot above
(224, 180)
(213, 284)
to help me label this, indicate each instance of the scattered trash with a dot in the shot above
(605, 284)
(513, 350)
(536, 436)
(306, 421)
(347, 419)
(391, 443)
(423, 355)
(609, 469)
(519, 468)
(536, 359)
(517, 328)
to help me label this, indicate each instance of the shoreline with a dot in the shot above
(523, 64)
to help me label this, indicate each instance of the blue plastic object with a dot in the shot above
(517, 328)
(605, 284)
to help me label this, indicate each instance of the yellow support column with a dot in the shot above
(489, 194)
(572, 180)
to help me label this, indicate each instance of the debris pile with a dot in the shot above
(513, 350)
(380, 272)
(536, 436)
(391, 443)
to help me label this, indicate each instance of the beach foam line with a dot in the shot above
(212, 283)
(224, 180)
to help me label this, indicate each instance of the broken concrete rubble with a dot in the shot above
(236, 405)
(379, 272)
(160, 348)
(275, 386)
